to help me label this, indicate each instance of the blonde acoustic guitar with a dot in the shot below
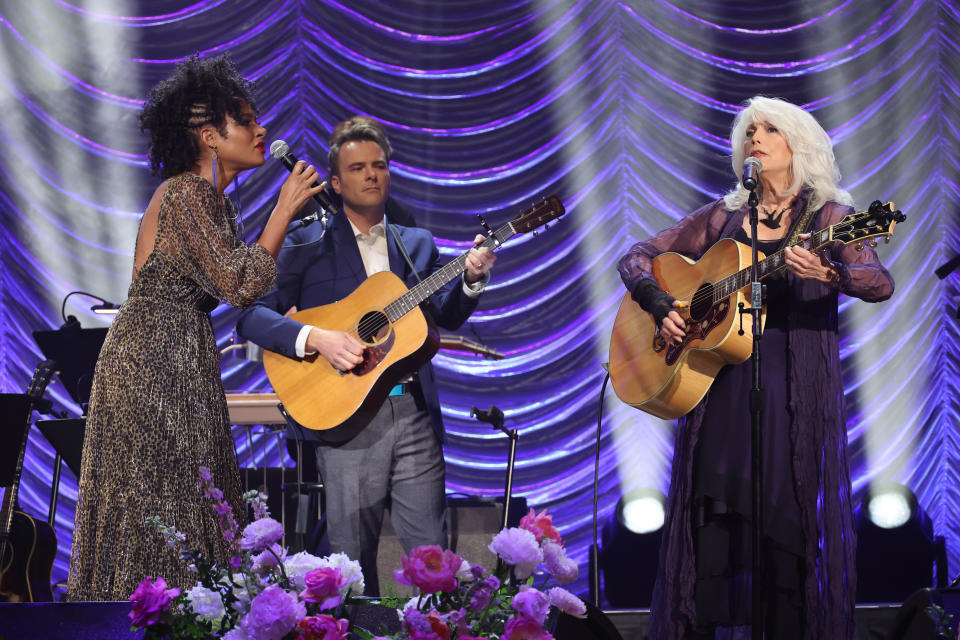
(386, 317)
(669, 380)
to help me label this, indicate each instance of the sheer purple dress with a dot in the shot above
(703, 580)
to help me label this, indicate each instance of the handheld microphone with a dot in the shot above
(281, 151)
(751, 172)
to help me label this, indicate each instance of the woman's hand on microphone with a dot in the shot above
(297, 189)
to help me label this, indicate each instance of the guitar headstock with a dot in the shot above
(538, 215)
(879, 220)
(41, 378)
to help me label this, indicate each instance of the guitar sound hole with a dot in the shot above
(373, 327)
(702, 301)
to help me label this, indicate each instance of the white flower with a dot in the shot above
(299, 565)
(245, 587)
(464, 573)
(207, 604)
(567, 602)
(562, 568)
(350, 569)
(518, 547)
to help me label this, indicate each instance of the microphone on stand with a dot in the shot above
(751, 172)
(281, 151)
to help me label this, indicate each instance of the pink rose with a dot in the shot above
(524, 628)
(323, 587)
(150, 599)
(323, 627)
(540, 525)
(430, 569)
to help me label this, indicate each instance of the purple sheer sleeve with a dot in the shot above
(861, 274)
(691, 237)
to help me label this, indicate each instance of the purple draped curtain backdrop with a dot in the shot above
(621, 108)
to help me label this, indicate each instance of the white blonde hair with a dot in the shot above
(813, 164)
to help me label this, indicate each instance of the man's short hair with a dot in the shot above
(355, 130)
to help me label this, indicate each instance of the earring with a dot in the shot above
(213, 161)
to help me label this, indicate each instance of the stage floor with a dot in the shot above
(108, 620)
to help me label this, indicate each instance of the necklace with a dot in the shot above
(772, 221)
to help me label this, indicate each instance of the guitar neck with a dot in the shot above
(439, 278)
(769, 265)
(10, 497)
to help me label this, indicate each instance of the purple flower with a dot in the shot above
(558, 564)
(150, 599)
(264, 562)
(481, 596)
(524, 628)
(273, 614)
(323, 587)
(260, 534)
(518, 547)
(531, 603)
(567, 602)
(430, 569)
(415, 620)
(323, 627)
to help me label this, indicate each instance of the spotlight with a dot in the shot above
(896, 548)
(631, 547)
(641, 510)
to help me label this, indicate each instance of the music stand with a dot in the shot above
(66, 437)
(13, 408)
(75, 351)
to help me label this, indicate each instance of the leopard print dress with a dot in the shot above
(157, 410)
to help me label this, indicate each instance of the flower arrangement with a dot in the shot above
(264, 594)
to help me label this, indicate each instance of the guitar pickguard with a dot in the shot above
(696, 330)
(375, 354)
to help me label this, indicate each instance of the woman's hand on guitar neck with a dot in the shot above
(672, 327)
(340, 349)
(808, 265)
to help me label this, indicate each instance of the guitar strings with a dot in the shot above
(698, 295)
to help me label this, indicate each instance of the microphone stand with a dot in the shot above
(756, 435)
(494, 416)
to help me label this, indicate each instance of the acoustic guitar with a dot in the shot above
(28, 546)
(386, 317)
(669, 380)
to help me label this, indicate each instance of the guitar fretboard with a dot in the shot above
(768, 266)
(435, 281)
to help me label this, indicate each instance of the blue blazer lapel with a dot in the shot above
(397, 264)
(345, 244)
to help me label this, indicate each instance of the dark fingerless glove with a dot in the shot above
(653, 299)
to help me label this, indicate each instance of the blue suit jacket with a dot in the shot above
(327, 271)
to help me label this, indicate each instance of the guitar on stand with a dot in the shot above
(28, 546)
(386, 317)
(669, 380)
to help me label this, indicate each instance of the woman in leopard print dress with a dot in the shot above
(157, 411)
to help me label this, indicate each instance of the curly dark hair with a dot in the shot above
(199, 92)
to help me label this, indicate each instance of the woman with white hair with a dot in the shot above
(704, 577)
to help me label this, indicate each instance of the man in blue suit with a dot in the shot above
(397, 459)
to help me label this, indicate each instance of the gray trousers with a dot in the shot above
(395, 462)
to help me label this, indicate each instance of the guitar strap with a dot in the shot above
(802, 226)
(403, 251)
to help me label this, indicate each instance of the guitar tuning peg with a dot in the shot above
(859, 246)
(536, 234)
(886, 239)
(545, 226)
(873, 243)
